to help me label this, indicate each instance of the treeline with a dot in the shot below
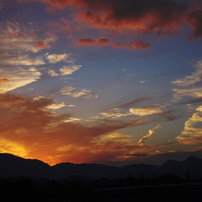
(83, 189)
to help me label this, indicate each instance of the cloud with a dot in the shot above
(70, 90)
(4, 80)
(138, 15)
(14, 37)
(13, 147)
(194, 19)
(23, 60)
(52, 73)
(66, 70)
(89, 42)
(56, 106)
(188, 81)
(191, 92)
(196, 100)
(192, 133)
(145, 111)
(18, 77)
(150, 132)
(114, 115)
(72, 120)
(134, 102)
(192, 79)
(137, 45)
(113, 136)
(41, 45)
(137, 155)
(28, 129)
(86, 42)
(165, 18)
(55, 58)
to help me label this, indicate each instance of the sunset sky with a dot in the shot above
(104, 81)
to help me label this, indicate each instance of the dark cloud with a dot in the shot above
(169, 116)
(162, 17)
(135, 102)
(192, 101)
(103, 41)
(194, 19)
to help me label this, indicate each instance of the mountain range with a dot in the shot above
(14, 166)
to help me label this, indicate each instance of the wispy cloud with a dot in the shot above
(192, 133)
(113, 115)
(135, 102)
(72, 120)
(23, 60)
(192, 79)
(188, 81)
(150, 132)
(14, 37)
(190, 92)
(70, 90)
(18, 77)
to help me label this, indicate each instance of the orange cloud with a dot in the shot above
(4, 80)
(30, 130)
(138, 45)
(41, 45)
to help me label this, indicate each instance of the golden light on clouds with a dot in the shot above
(145, 111)
(192, 133)
(18, 77)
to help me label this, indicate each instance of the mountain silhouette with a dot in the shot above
(94, 171)
(13, 166)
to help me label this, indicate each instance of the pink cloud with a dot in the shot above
(137, 45)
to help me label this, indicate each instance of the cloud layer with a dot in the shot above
(142, 15)
(29, 129)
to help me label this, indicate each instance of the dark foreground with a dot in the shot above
(103, 190)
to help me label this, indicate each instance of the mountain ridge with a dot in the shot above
(14, 166)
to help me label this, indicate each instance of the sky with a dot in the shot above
(114, 82)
